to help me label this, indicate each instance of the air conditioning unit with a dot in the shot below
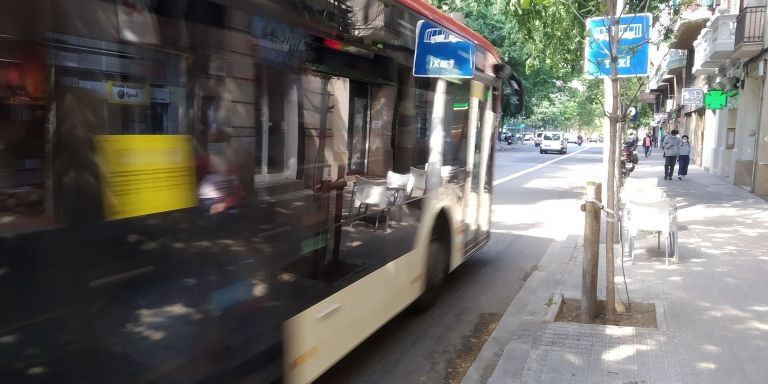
(727, 83)
(759, 70)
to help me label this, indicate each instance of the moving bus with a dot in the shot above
(215, 191)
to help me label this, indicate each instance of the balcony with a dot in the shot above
(750, 30)
(714, 45)
(676, 58)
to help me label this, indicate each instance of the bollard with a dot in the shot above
(591, 209)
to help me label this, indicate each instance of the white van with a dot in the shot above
(553, 142)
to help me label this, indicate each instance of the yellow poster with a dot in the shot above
(143, 174)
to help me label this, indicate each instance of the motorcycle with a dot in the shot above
(629, 158)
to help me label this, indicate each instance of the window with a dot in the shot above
(456, 118)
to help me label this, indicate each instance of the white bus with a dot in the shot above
(223, 191)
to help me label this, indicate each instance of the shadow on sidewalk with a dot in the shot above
(712, 306)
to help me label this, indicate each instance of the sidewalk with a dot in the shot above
(711, 308)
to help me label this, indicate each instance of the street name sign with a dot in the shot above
(632, 50)
(441, 53)
(693, 96)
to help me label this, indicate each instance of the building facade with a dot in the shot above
(720, 48)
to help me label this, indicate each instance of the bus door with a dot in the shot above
(472, 190)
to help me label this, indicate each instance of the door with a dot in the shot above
(270, 137)
(358, 127)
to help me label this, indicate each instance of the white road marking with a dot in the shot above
(540, 166)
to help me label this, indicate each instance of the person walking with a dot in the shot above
(683, 157)
(671, 147)
(647, 144)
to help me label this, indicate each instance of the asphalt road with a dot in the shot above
(533, 197)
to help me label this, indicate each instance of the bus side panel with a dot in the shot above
(319, 336)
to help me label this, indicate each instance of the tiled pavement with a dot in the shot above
(712, 307)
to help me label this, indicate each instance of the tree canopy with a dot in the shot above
(543, 41)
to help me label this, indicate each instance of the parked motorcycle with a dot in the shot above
(629, 157)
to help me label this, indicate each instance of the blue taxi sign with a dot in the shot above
(442, 53)
(633, 49)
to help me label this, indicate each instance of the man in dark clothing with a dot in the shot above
(671, 147)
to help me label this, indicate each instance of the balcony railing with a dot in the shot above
(676, 58)
(750, 25)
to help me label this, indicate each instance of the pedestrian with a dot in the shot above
(647, 144)
(683, 157)
(671, 147)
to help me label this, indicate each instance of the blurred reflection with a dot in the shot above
(76, 185)
(178, 178)
(219, 189)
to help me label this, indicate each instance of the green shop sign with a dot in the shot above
(715, 99)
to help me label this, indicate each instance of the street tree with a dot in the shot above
(545, 38)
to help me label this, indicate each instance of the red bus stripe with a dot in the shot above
(427, 10)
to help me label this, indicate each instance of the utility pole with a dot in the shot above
(612, 105)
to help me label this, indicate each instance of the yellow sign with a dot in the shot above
(144, 174)
(122, 92)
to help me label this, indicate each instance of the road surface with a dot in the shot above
(528, 215)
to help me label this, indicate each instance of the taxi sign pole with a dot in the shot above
(610, 128)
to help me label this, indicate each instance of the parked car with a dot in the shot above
(537, 140)
(553, 142)
(592, 138)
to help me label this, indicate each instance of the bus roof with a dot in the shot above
(427, 10)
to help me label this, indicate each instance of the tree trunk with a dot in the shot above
(615, 8)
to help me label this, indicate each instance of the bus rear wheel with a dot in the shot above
(437, 270)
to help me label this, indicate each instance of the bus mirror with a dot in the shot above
(513, 97)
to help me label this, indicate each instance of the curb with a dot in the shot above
(529, 311)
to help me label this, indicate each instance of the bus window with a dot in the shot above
(381, 151)
(457, 111)
(23, 121)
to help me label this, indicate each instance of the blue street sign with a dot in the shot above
(634, 34)
(441, 53)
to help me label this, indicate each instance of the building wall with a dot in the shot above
(712, 130)
(746, 130)
(761, 170)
